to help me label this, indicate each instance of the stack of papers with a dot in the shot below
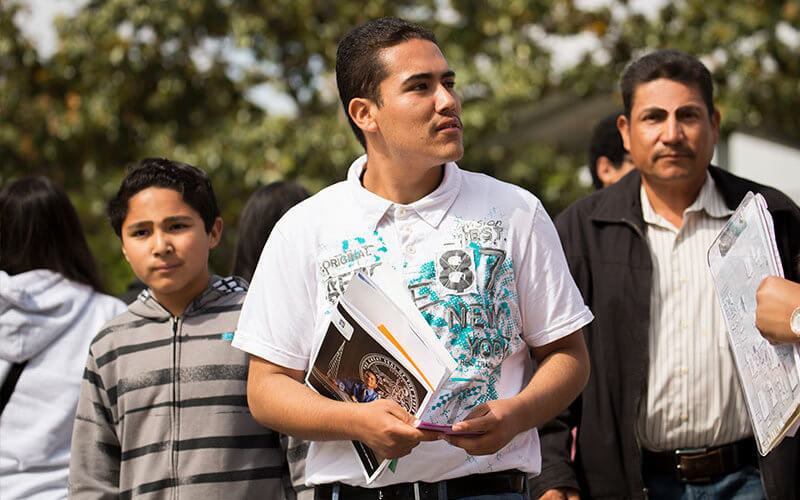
(742, 255)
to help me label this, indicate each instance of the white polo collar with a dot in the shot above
(431, 208)
(710, 200)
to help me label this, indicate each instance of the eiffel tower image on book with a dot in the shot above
(333, 366)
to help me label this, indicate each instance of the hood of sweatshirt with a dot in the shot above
(36, 308)
(146, 305)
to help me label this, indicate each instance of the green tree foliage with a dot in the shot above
(137, 78)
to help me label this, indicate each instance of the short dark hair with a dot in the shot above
(262, 210)
(359, 70)
(191, 182)
(40, 229)
(670, 64)
(606, 141)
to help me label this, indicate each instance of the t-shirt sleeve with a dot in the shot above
(277, 318)
(550, 303)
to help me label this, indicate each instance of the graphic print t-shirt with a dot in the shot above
(481, 261)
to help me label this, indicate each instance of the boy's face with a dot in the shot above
(165, 242)
(370, 380)
(420, 114)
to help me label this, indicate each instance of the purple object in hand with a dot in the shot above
(447, 429)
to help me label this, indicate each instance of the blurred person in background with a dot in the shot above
(51, 305)
(608, 160)
(262, 210)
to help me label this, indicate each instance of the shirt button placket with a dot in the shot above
(405, 232)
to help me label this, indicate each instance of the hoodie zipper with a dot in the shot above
(175, 409)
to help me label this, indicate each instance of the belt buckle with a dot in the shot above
(680, 473)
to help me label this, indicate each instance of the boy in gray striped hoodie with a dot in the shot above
(163, 407)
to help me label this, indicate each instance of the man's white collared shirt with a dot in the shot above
(481, 260)
(694, 397)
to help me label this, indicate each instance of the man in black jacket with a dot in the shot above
(663, 414)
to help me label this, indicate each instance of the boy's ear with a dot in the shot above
(360, 110)
(215, 234)
(124, 253)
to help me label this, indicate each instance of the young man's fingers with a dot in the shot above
(468, 443)
(401, 414)
(457, 441)
(479, 411)
(483, 423)
(430, 435)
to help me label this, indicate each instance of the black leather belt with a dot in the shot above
(476, 484)
(701, 465)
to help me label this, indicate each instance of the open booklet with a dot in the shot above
(743, 254)
(378, 347)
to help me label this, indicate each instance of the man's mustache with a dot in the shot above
(682, 150)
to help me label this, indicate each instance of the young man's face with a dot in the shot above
(165, 242)
(419, 119)
(670, 134)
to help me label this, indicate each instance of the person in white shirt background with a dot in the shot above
(51, 305)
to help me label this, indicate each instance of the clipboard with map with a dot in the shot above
(742, 255)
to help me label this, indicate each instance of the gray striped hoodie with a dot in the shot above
(163, 407)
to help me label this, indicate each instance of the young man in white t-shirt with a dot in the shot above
(480, 259)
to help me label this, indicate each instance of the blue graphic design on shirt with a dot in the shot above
(467, 294)
(338, 265)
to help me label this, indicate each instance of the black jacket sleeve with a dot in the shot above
(557, 435)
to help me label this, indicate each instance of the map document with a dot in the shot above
(743, 254)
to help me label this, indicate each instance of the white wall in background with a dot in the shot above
(765, 162)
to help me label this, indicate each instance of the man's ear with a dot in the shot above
(606, 171)
(361, 112)
(215, 234)
(715, 120)
(624, 131)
